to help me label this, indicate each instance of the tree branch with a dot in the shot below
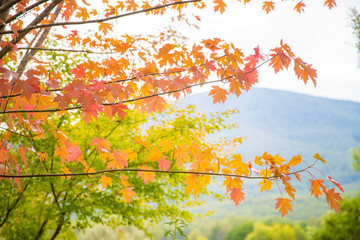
(25, 31)
(29, 55)
(134, 99)
(26, 10)
(64, 50)
(99, 20)
(146, 170)
(8, 5)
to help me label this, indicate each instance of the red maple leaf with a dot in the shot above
(164, 164)
(121, 158)
(254, 58)
(79, 71)
(74, 152)
(336, 183)
(315, 187)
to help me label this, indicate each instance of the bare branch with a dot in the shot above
(8, 5)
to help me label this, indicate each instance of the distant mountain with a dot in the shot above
(290, 123)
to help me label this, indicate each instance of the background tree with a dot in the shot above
(355, 152)
(64, 86)
(355, 24)
(241, 231)
(345, 224)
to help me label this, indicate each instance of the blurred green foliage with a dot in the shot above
(342, 225)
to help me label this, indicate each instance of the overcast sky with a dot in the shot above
(319, 36)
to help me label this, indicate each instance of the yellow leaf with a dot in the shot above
(317, 157)
(155, 154)
(105, 27)
(105, 181)
(166, 146)
(295, 160)
(265, 185)
(146, 176)
(258, 161)
(66, 171)
(128, 194)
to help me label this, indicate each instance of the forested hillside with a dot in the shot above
(290, 123)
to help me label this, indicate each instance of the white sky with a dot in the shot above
(319, 36)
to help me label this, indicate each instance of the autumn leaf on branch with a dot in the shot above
(284, 205)
(128, 194)
(315, 187)
(105, 181)
(333, 199)
(236, 195)
(218, 94)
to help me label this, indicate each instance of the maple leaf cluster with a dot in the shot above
(88, 76)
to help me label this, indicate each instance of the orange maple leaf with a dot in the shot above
(330, 3)
(128, 194)
(333, 199)
(155, 103)
(317, 157)
(299, 7)
(146, 176)
(315, 187)
(304, 71)
(279, 60)
(284, 205)
(164, 54)
(290, 190)
(105, 181)
(268, 6)
(102, 145)
(295, 160)
(237, 195)
(211, 43)
(218, 94)
(219, 6)
(105, 27)
(193, 185)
